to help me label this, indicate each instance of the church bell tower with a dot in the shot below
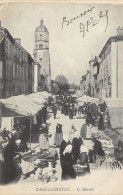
(41, 52)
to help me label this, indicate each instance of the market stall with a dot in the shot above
(85, 98)
(78, 94)
(28, 106)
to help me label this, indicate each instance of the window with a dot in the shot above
(17, 71)
(13, 70)
(40, 37)
(40, 46)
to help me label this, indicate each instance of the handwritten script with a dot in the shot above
(91, 22)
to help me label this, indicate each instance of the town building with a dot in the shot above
(105, 71)
(55, 87)
(85, 83)
(42, 56)
(16, 66)
(111, 67)
(94, 77)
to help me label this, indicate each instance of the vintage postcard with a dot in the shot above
(61, 97)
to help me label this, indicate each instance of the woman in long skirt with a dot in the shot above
(70, 113)
(76, 143)
(84, 159)
(58, 135)
(43, 139)
(67, 165)
(64, 143)
(101, 123)
(72, 133)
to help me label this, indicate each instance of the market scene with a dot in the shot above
(60, 138)
(52, 130)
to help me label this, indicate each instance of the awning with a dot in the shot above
(85, 98)
(26, 105)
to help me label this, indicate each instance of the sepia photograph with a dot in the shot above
(61, 98)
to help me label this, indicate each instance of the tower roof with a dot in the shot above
(41, 27)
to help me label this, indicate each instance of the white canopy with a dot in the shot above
(26, 105)
(78, 94)
(44, 94)
(36, 98)
(85, 98)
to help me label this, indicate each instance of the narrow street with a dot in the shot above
(99, 179)
(66, 125)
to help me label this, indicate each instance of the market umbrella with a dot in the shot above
(85, 98)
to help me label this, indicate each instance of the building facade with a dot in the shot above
(111, 71)
(94, 77)
(55, 87)
(16, 67)
(85, 83)
(42, 56)
(106, 70)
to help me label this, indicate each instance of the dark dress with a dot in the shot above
(83, 131)
(44, 114)
(102, 107)
(76, 143)
(62, 148)
(101, 123)
(67, 167)
(71, 113)
(9, 167)
(98, 148)
(54, 109)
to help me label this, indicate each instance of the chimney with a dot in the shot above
(18, 40)
(120, 30)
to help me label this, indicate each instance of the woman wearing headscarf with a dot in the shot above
(70, 112)
(64, 143)
(72, 133)
(58, 135)
(43, 139)
(76, 143)
(67, 164)
(84, 159)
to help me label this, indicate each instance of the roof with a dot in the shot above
(41, 27)
(111, 39)
(13, 40)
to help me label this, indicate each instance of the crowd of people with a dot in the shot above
(72, 148)
(74, 152)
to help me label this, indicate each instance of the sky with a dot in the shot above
(70, 52)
